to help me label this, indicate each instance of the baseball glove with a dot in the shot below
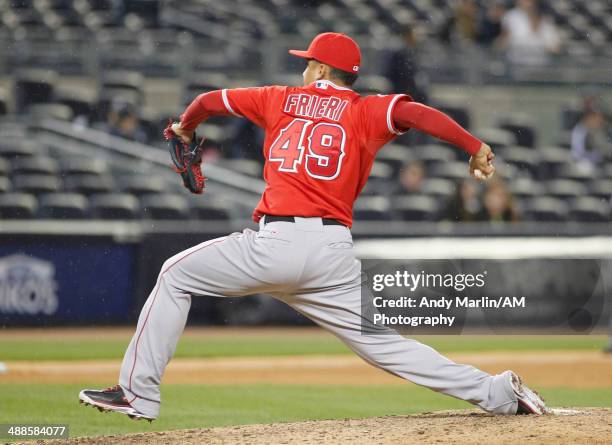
(187, 159)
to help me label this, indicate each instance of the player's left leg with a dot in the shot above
(407, 358)
(332, 299)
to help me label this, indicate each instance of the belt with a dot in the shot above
(326, 221)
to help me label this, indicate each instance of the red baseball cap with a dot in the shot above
(333, 49)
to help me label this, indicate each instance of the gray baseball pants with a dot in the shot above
(312, 268)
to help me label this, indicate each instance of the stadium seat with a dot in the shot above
(565, 188)
(524, 159)
(84, 166)
(35, 165)
(565, 140)
(115, 206)
(509, 172)
(33, 86)
(371, 84)
(381, 176)
(551, 160)
(545, 209)
(164, 206)
(395, 156)
(50, 111)
(203, 82)
(80, 101)
(89, 184)
(141, 185)
(36, 184)
(522, 129)
(4, 102)
(210, 210)
(381, 171)
(441, 189)
(119, 87)
(577, 172)
(588, 209)
(5, 184)
(119, 79)
(5, 167)
(372, 208)
(455, 170)
(601, 188)
(63, 206)
(375, 188)
(115, 98)
(246, 166)
(13, 148)
(17, 206)
(497, 138)
(10, 132)
(523, 188)
(215, 133)
(570, 117)
(432, 155)
(415, 208)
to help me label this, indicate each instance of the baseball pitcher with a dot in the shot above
(321, 141)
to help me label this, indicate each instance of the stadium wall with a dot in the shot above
(104, 277)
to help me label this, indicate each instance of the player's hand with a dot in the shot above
(481, 164)
(185, 135)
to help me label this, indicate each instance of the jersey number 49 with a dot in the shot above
(325, 146)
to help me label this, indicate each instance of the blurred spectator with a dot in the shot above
(592, 100)
(490, 23)
(466, 20)
(529, 36)
(465, 205)
(411, 179)
(498, 203)
(402, 69)
(123, 121)
(591, 140)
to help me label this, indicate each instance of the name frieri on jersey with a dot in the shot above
(315, 107)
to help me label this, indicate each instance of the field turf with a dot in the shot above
(198, 406)
(280, 345)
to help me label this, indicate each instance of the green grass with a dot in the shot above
(199, 406)
(242, 345)
(577, 397)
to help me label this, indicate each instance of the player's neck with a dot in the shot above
(335, 83)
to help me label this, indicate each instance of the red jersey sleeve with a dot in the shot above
(252, 103)
(377, 118)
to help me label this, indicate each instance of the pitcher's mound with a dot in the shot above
(468, 427)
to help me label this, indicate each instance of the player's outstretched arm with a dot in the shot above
(435, 123)
(203, 107)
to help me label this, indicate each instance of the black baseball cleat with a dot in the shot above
(529, 401)
(111, 399)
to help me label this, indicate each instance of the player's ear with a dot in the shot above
(323, 71)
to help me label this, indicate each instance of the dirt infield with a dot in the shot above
(572, 369)
(587, 426)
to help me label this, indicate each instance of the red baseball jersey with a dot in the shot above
(320, 144)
